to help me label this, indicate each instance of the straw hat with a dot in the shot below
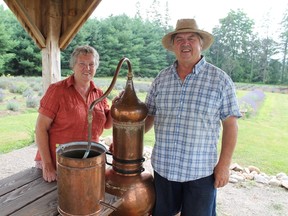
(184, 26)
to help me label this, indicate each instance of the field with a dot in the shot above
(263, 131)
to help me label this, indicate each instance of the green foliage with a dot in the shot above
(2, 94)
(238, 49)
(121, 36)
(19, 54)
(19, 87)
(32, 101)
(4, 84)
(244, 55)
(13, 105)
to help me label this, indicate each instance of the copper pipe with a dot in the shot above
(90, 110)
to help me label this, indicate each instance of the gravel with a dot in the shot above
(17, 160)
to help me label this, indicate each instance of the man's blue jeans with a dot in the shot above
(193, 198)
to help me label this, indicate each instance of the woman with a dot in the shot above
(64, 108)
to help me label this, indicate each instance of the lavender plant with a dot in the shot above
(251, 102)
(2, 95)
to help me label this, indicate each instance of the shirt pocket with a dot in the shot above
(206, 104)
(69, 114)
(99, 119)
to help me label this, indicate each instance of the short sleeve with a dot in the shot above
(49, 104)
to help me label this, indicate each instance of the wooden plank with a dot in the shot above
(17, 180)
(30, 26)
(28, 193)
(46, 205)
(77, 22)
(112, 200)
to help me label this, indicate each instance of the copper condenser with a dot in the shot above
(127, 178)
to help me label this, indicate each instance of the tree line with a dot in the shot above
(237, 49)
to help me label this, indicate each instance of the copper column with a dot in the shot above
(127, 178)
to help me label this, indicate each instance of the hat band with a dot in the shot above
(194, 30)
(186, 28)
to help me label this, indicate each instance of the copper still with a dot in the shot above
(127, 178)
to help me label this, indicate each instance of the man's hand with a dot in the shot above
(221, 175)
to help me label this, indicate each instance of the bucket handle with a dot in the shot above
(109, 153)
(107, 205)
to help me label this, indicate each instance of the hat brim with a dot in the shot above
(207, 38)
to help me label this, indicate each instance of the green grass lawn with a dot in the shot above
(262, 140)
(17, 131)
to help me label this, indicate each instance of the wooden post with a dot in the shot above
(51, 62)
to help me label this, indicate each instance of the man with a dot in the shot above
(187, 103)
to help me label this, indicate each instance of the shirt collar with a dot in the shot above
(71, 82)
(199, 67)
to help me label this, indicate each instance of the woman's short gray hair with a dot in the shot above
(84, 50)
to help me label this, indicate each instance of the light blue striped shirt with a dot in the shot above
(188, 119)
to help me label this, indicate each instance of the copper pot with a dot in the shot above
(137, 192)
(81, 182)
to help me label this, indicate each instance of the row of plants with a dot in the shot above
(15, 90)
(262, 139)
(251, 102)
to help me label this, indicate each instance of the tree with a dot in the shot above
(284, 48)
(237, 49)
(232, 38)
(6, 42)
(22, 57)
(120, 36)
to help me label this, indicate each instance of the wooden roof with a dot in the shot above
(39, 17)
(52, 24)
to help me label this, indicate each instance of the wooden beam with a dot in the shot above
(30, 26)
(77, 22)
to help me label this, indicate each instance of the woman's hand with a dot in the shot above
(49, 172)
(111, 148)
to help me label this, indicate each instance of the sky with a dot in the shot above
(206, 12)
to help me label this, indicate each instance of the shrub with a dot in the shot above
(2, 95)
(142, 87)
(37, 87)
(18, 88)
(28, 93)
(119, 86)
(13, 105)
(4, 84)
(32, 102)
